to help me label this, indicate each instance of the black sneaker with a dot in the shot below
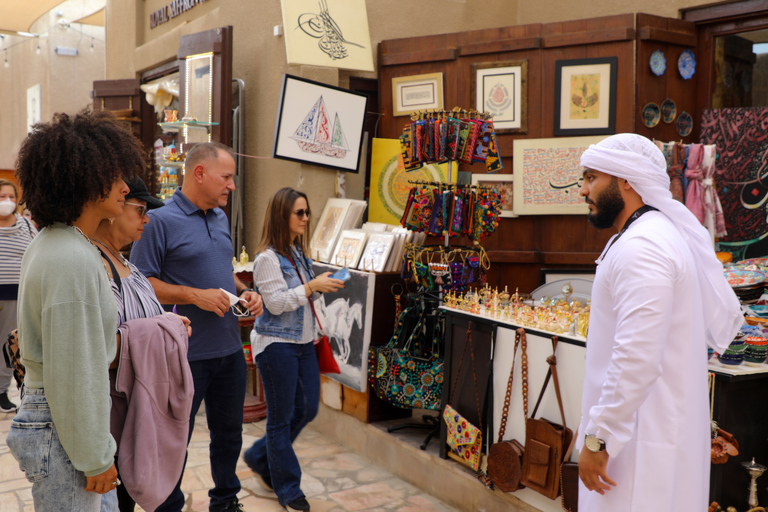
(5, 404)
(233, 506)
(298, 504)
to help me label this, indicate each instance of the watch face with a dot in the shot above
(593, 443)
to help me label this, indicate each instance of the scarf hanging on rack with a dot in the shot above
(701, 196)
(674, 155)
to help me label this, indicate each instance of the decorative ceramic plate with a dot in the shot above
(684, 124)
(741, 278)
(686, 64)
(668, 111)
(651, 115)
(760, 262)
(658, 63)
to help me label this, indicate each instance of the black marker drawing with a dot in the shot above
(321, 26)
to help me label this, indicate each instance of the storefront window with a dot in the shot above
(741, 70)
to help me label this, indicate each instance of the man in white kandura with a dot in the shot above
(659, 298)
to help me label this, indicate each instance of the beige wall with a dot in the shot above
(66, 82)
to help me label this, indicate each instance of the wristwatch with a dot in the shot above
(593, 443)
(245, 290)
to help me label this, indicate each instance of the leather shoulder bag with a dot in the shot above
(505, 459)
(545, 442)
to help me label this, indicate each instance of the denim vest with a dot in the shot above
(289, 324)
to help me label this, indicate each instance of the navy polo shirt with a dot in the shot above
(182, 245)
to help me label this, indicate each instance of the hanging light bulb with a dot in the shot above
(91, 45)
(38, 51)
(6, 64)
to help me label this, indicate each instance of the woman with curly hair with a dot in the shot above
(72, 172)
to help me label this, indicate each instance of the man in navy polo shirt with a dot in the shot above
(186, 252)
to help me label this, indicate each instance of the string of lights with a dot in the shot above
(27, 37)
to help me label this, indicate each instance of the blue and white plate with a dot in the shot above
(658, 63)
(686, 64)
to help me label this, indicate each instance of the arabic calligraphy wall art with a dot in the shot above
(417, 92)
(501, 89)
(319, 124)
(585, 96)
(332, 33)
(742, 179)
(547, 175)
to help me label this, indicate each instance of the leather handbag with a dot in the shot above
(464, 439)
(569, 481)
(545, 442)
(505, 458)
(325, 360)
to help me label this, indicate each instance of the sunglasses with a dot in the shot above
(140, 207)
(301, 213)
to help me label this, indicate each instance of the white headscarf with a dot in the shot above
(636, 159)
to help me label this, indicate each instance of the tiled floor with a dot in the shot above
(334, 480)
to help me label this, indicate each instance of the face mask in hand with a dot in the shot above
(7, 207)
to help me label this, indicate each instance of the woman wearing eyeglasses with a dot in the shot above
(281, 342)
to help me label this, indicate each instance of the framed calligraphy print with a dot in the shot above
(585, 96)
(319, 124)
(501, 89)
(547, 175)
(417, 92)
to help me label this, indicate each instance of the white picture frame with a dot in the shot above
(349, 248)
(327, 229)
(374, 257)
(505, 184)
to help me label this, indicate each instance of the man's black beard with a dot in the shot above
(609, 205)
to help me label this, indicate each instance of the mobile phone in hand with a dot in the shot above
(341, 275)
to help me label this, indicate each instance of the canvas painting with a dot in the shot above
(547, 175)
(504, 184)
(742, 185)
(376, 252)
(347, 316)
(331, 33)
(389, 181)
(349, 248)
(319, 124)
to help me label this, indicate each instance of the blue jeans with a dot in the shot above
(221, 381)
(34, 442)
(291, 381)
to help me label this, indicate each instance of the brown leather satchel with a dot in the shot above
(569, 481)
(545, 442)
(505, 459)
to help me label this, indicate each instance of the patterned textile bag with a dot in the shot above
(13, 357)
(464, 439)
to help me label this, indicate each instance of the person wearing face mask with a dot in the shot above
(16, 232)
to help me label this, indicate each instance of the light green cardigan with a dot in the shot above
(67, 318)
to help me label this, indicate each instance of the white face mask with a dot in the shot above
(7, 207)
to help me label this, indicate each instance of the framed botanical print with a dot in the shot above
(504, 183)
(501, 89)
(585, 96)
(417, 92)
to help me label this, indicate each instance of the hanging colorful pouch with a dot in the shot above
(464, 439)
(469, 146)
(483, 142)
(442, 146)
(408, 206)
(457, 215)
(452, 139)
(436, 223)
(493, 161)
(421, 210)
(470, 198)
(429, 141)
(406, 149)
(418, 140)
(465, 127)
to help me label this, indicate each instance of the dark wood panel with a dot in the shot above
(393, 59)
(507, 45)
(583, 38)
(717, 12)
(666, 36)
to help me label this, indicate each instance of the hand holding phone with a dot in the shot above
(341, 275)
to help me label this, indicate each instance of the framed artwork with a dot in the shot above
(319, 124)
(417, 92)
(330, 33)
(389, 180)
(349, 248)
(347, 318)
(327, 229)
(501, 89)
(547, 175)
(504, 183)
(585, 96)
(376, 252)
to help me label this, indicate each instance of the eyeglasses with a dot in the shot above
(140, 207)
(301, 213)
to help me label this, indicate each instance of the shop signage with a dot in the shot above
(170, 11)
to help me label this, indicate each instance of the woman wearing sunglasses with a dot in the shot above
(281, 341)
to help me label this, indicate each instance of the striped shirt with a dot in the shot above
(138, 299)
(274, 291)
(13, 243)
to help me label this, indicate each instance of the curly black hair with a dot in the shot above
(64, 164)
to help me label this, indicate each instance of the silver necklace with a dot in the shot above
(121, 258)
(94, 245)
